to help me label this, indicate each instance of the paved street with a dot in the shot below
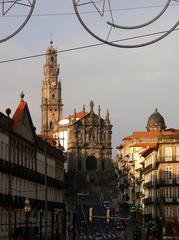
(86, 230)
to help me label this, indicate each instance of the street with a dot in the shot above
(86, 229)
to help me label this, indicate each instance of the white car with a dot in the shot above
(83, 194)
(106, 204)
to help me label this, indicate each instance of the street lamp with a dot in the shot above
(27, 210)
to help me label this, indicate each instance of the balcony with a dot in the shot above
(29, 174)
(166, 160)
(148, 184)
(168, 200)
(148, 168)
(167, 182)
(147, 200)
(151, 200)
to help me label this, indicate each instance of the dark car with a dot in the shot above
(120, 226)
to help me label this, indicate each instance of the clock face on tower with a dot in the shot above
(53, 84)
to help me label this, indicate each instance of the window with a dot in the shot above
(91, 163)
(168, 153)
(177, 153)
(79, 165)
(168, 212)
(177, 213)
(168, 174)
(168, 194)
(177, 174)
(103, 165)
(2, 150)
(177, 193)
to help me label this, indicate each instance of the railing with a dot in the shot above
(148, 184)
(18, 202)
(173, 158)
(26, 173)
(148, 168)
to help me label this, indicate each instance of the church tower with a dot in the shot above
(51, 102)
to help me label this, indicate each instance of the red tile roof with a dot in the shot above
(77, 115)
(148, 150)
(146, 134)
(22, 105)
(144, 145)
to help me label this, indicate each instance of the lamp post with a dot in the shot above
(27, 210)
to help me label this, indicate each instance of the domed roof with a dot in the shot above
(156, 121)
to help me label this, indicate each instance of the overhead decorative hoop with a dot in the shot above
(10, 6)
(112, 25)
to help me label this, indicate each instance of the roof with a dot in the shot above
(156, 121)
(149, 150)
(144, 145)
(145, 134)
(78, 115)
(22, 105)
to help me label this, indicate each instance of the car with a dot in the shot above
(106, 204)
(98, 236)
(119, 226)
(83, 194)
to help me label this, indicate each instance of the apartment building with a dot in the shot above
(31, 175)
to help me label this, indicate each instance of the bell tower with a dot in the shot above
(51, 102)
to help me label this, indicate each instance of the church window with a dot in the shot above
(91, 163)
(92, 178)
(52, 59)
(79, 165)
(102, 165)
(50, 124)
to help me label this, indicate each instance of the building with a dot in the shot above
(130, 161)
(51, 102)
(148, 163)
(89, 151)
(84, 136)
(31, 179)
(161, 183)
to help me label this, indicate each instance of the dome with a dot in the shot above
(156, 122)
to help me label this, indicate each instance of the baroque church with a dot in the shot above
(84, 136)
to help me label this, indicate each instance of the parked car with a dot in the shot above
(120, 226)
(106, 204)
(83, 194)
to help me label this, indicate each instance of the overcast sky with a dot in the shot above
(131, 83)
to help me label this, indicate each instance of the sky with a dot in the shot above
(130, 82)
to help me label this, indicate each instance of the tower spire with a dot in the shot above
(51, 103)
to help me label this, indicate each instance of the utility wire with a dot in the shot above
(83, 47)
(87, 12)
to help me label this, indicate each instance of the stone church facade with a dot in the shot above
(84, 136)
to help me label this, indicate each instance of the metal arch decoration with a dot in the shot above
(112, 25)
(8, 6)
